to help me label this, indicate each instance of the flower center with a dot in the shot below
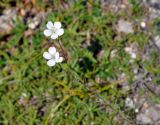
(54, 30)
(53, 57)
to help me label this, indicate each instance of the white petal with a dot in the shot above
(57, 56)
(60, 32)
(52, 50)
(49, 25)
(54, 36)
(47, 32)
(57, 25)
(51, 62)
(60, 59)
(46, 55)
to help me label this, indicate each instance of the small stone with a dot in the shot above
(6, 21)
(92, 123)
(128, 49)
(129, 103)
(157, 41)
(135, 70)
(31, 25)
(125, 26)
(143, 25)
(22, 12)
(100, 55)
(136, 110)
(133, 56)
(113, 53)
(154, 13)
(34, 23)
(126, 88)
(142, 118)
(145, 105)
(155, 4)
(24, 94)
(153, 113)
(65, 114)
(158, 122)
(153, 1)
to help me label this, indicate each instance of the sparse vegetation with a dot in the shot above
(87, 88)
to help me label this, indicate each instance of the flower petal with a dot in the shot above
(56, 56)
(57, 25)
(60, 31)
(54, 36)
(47, 32)
(51, 62)
(60, 59)
(52, 50)
(46, 55)
(49, 25)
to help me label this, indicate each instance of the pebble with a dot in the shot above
(34, 23)
(143, 119)
(136, 110)
(6, 21)
(113, 53)
(143, 25)
(133, 55)
(153, 113)
(129, 103)
(130, 51)
(157, 41)
(125, 26)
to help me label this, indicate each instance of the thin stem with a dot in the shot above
(62, 49)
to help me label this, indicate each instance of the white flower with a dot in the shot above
(52, 56)
(53, 30)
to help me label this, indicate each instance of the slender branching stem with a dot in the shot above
(63, 51)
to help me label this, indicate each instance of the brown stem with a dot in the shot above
(62, 49)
